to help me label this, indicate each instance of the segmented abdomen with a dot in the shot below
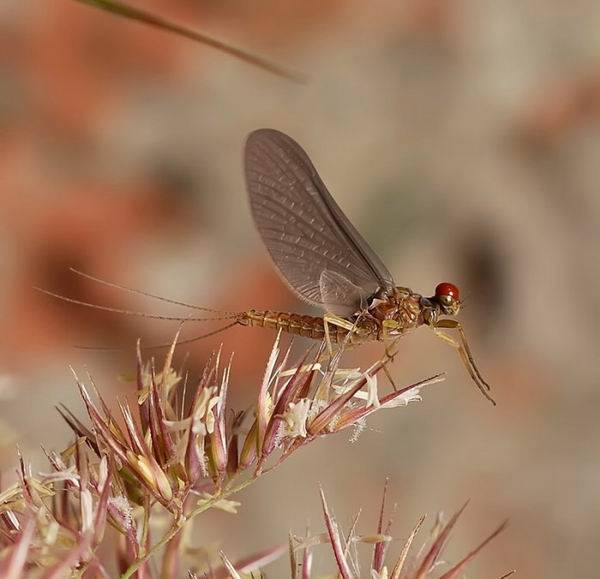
(306, 326)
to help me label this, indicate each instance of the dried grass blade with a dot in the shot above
(132, 13)
(400, 563)
(336, 543)
(454, 572)
(380, 548)
(438, 545)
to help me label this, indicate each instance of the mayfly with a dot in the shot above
(327, 263)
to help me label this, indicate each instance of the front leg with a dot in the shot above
(464, 351)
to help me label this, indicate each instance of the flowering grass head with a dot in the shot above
(173, 451)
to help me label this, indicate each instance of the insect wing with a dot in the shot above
(302, 226)
(339, 295)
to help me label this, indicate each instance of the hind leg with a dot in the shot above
(333, 320)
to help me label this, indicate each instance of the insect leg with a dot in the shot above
(464, 351)
(388, 326)
(335, 321)
(453, 324)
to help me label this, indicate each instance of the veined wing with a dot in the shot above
(302, 226)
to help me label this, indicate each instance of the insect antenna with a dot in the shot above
(226, 316)
(143, 293)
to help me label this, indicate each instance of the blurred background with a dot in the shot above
(462, 138)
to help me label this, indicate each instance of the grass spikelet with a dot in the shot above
(175, 450)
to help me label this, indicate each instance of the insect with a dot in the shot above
(327, 263)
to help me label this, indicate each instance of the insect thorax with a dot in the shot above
(404, 307)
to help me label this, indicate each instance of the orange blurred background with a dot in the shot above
(462, 139)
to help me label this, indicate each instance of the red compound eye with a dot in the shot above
(447, 289)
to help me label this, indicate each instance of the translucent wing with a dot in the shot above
(302, 226)
(339, 295)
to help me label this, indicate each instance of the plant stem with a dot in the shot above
(177, 526)
(133, 13)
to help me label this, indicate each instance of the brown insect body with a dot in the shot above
(326, 263)
(297, 324)
(386, 318)
(404, 308)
